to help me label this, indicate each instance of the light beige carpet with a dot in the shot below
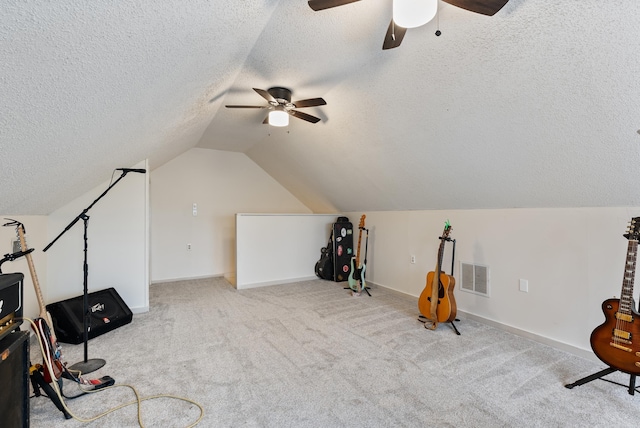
(308, 354)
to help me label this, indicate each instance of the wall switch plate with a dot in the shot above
(413, 259)
(524, 285)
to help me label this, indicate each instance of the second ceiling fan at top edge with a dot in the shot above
(396, 32)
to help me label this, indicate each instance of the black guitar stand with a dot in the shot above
(37, 381)
(13, 256)
(632, 380)
(366, 249)
(421, 317)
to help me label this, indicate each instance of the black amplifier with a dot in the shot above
(10, 302)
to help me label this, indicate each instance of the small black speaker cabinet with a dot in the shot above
(107, 311)
(14, 376)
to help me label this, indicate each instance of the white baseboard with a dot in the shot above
(574, 350)
(139, 310)
(579, 352)
(189, 278)
(279, 281)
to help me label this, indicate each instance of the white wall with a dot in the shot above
(117, 243)
(36, 237)
(221, 184)
(279, 248)
(572, 258)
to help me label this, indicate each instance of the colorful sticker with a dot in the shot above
(350, 232)
(349, 250)
(339, 250)
(339, 238)
(345, 268)
(343, 232)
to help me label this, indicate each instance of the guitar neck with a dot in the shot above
(440, 257)
(32, 271)
(361, 229)
(626, 295)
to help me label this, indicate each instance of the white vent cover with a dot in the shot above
(475, 279)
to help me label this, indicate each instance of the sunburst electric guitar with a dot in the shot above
(43, 324)
(436, 302)
(617, 341)
(356, 276)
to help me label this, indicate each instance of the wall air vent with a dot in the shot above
(475, 279)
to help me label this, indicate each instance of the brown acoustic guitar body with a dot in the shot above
(447, 309)
(617, 342)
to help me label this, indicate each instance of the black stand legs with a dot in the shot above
(37, 381)
(599, 375)
(424, 319)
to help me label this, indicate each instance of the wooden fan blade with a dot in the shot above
(304, 116)
(485, 7)
(266, 95)
(228, 106)
(311, 102)
(394, 36)
(327, 4)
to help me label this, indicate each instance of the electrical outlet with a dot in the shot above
(195, 210)
(188, 247)
(413, 259)
(524, 285)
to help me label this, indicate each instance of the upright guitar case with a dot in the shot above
(342, 248)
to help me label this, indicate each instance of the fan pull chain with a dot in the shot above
(438, 32)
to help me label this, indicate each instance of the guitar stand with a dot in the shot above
(423, 320)
(632, 380)
(37, 381)
(366, 249)
(364, 289)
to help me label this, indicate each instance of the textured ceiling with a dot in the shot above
(537, 106)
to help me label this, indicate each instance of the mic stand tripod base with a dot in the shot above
(88, 366)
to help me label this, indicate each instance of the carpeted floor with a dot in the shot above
(308, 354)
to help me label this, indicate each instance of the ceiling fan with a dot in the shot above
(279, 102)
(395, 33)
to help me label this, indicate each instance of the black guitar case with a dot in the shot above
(324, 266)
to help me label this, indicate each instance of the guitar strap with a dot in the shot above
(435, 288)
(435, 285)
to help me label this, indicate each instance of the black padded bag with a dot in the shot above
(324, 266)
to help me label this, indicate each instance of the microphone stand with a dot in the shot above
(87, 365)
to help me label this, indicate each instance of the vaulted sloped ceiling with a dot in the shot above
(537, 106)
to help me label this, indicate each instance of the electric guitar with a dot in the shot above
(617, 341)
(356, 276)
(43, 324)
(436, 302)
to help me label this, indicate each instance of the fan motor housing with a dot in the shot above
(280, 93)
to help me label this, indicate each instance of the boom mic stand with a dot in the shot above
(88, 365)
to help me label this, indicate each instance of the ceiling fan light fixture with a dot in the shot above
(278, 117)
(414, 13)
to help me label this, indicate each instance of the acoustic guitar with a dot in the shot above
(617, 341)
(356, 276)
(436, 302)
(43, 324)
